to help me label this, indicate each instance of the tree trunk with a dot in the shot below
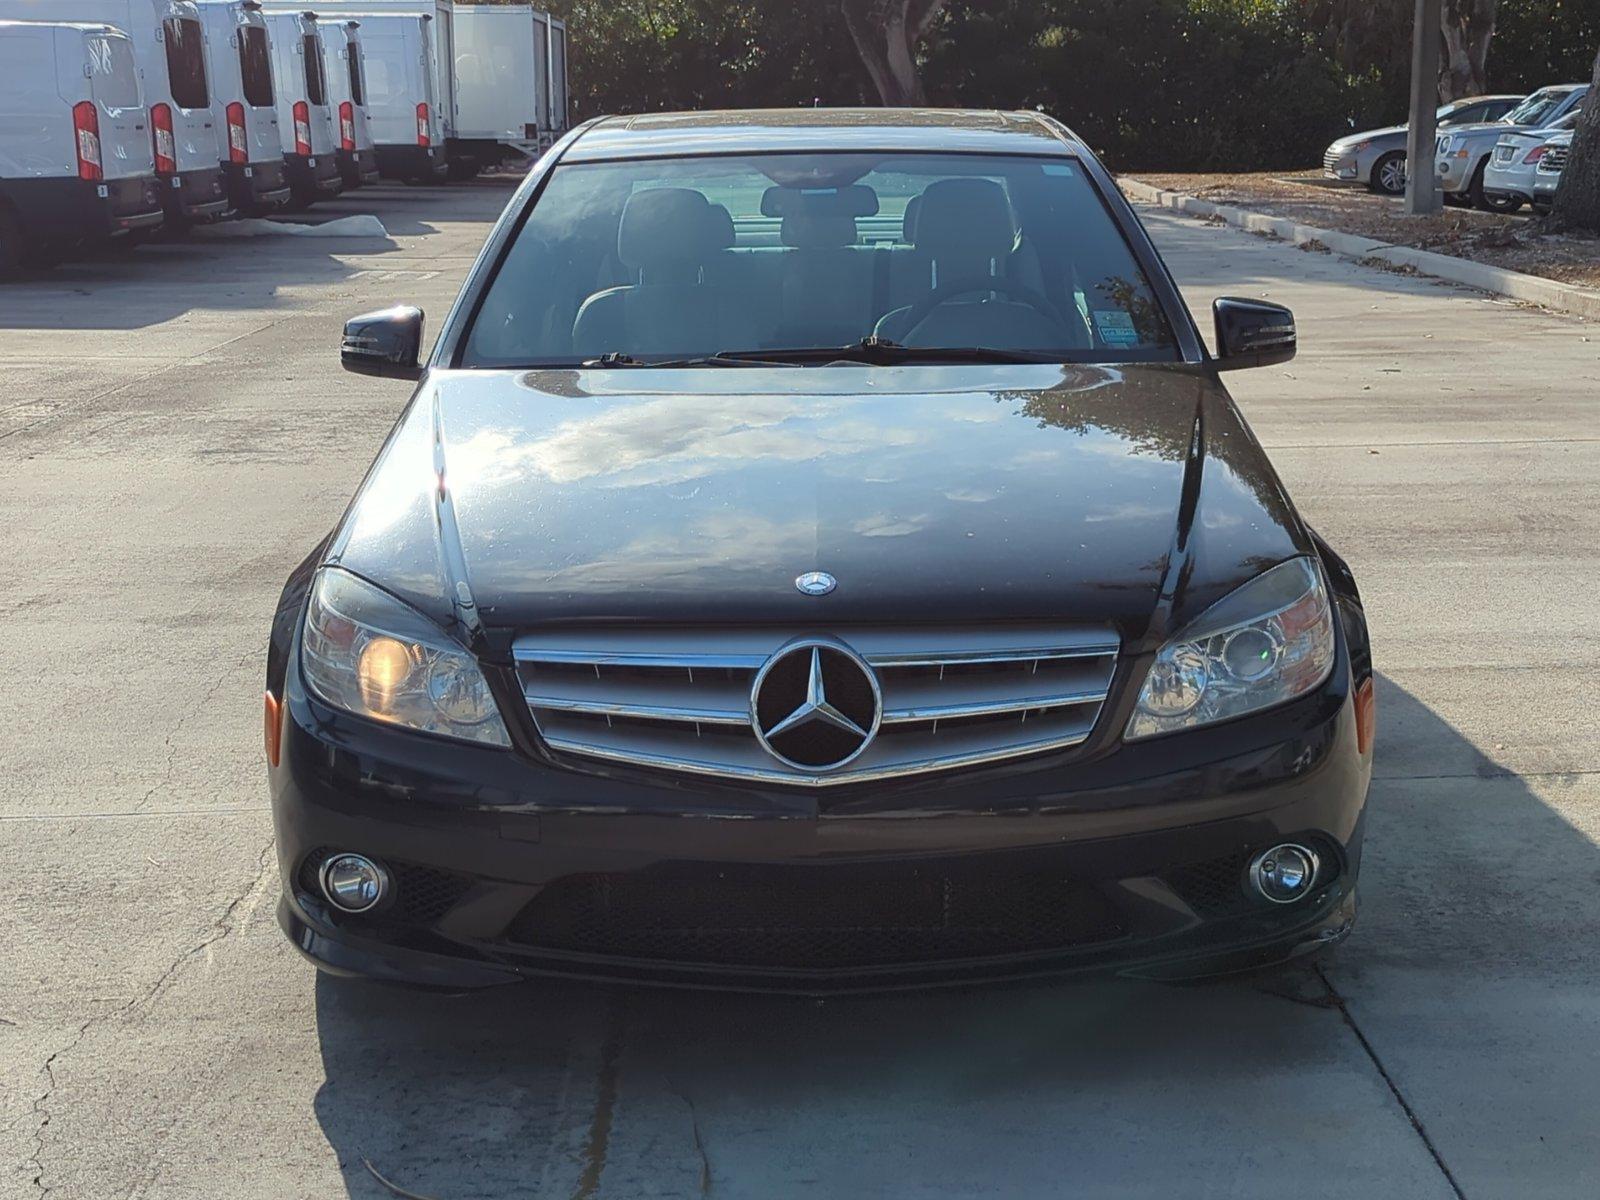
(1467, 29)
(1577, 203)
(886, 33)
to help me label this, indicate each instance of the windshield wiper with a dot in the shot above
(874, 351)
(883, 352)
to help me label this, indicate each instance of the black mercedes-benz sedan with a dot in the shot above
(819, 554)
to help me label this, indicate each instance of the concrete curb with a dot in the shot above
(1532, 289)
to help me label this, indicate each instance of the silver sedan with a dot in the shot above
(1514, 163)
(1547, 174)
(1377, 157)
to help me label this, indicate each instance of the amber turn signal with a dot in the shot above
(272, 721)
(1366, 715)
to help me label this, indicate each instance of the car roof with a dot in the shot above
(775, 130)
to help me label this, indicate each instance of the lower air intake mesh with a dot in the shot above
(812, 917)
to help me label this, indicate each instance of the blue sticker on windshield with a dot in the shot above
(1116, 328)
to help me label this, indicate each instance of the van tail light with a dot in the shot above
(238, 148)
(347, 126)
(1535, 154)
(166, 148)
(86, 123)
(422, 126)
(302, 128)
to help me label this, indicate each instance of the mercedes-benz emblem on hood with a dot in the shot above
(815, 705)
(816, 583)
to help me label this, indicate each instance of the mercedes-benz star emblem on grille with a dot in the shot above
(815, 706)
(816, 583)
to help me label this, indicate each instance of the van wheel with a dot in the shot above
(10, 244)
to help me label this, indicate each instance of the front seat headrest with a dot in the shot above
(719, 223)
(969, 217)
(908, 223)
(666, 228)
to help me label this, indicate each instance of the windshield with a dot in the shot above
(664, 259)
(1536, 108)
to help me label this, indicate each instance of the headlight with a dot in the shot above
(1265, 643)
(366, 652)
(1355, 147)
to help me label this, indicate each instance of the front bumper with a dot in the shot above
(1343, 166)
(508, 867)
(1455, 174)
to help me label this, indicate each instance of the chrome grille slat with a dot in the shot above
(951, 712)
(678, 699)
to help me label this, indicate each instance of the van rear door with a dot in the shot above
(125, 147)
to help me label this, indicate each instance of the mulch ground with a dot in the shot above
(1517, 242)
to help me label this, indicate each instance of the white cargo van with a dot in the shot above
(169, 47)
(347, 91)
(305, 119)
(550, 48)
(239, 61)
(501, 72)
(75, 158)
(402, 103)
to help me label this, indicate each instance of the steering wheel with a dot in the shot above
(946, 292)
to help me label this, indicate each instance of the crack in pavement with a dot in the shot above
(172, 750)
(1421, 1130)
(220, 929)
(699, 1141)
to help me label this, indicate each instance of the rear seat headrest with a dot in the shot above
(965, 216)
(814, 232)
(667, 227)
(856, 200)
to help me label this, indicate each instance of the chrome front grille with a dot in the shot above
(1330, 161)
(680, 699)
(1554, 160)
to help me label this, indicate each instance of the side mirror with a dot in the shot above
(385, 343)
(1251, 333)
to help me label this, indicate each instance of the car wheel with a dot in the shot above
(1388, 176)
(1481, 199)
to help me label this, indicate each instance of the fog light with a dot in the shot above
(1284, 873)
(353, 883)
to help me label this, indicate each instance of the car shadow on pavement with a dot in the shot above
(567, 1089)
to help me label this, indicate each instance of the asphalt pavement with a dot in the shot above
(178, 435)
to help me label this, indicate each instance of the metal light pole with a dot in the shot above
(1422, 184)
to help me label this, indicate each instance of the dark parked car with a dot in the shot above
(820, 554)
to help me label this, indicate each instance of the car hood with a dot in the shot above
(949, 493)
(1391, 131)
